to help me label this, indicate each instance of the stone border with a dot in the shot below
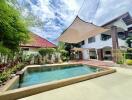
(10, 84)
(32, 90)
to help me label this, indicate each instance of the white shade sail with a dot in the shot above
(79, 31)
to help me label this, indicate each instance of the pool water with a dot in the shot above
(43, 75)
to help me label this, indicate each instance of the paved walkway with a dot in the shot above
(97, 63)
(116, 86)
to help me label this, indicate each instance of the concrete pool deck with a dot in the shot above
(115, 86)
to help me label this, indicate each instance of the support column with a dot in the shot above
(115, 45)
(88, 54)
(97, 54)
(100, 54)
(85, 54)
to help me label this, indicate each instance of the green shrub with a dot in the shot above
(119, 62)
(46, 54)
(4, 50)
(6, 74)
(128, 54)
(50, 50)
(129, 61)
(42, 51)
(64, 55)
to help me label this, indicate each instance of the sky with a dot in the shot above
(106, 10)
(52, 17)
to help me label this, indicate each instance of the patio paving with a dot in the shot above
(116, 86)
(98, 63)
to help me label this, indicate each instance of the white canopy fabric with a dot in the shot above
(79, 31)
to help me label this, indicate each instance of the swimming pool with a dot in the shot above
(48, 74)
(39, 78)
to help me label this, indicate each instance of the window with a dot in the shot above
(121, 35)
(92, 55)
(130, 34)
(92, 39)
(105, 37)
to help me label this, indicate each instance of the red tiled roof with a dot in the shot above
(38, 42)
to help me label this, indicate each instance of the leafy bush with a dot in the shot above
(119, 62)
(128, 41)
(60, 54)
(129, 62)
(50, 51)
(6, 74)
(46, 54)
(42, 51)
(13, 27)
(129, 54)
(64, 55)
(4, 50)
(46, 51)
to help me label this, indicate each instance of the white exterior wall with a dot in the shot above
(120, 23)
(85, 54)
(31, 51)
(98, 44)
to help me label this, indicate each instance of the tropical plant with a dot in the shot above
(64, 55)
(129, 41)
(50, 50)
(119, 56)
(43, 52)
(13, 29)
(4, 53)
(129, 61)
(46, 54)
(6, 74)
(128, 54)
(4, 50)
(61, 45)
(61, 52)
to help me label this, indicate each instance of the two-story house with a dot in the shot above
(101, 46)
(99, 42)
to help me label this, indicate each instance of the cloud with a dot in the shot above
(51, 17)
(109, 9)
(88, 10)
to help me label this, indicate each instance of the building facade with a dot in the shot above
(101, 46)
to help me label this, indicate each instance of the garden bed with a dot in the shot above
(9, 73)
